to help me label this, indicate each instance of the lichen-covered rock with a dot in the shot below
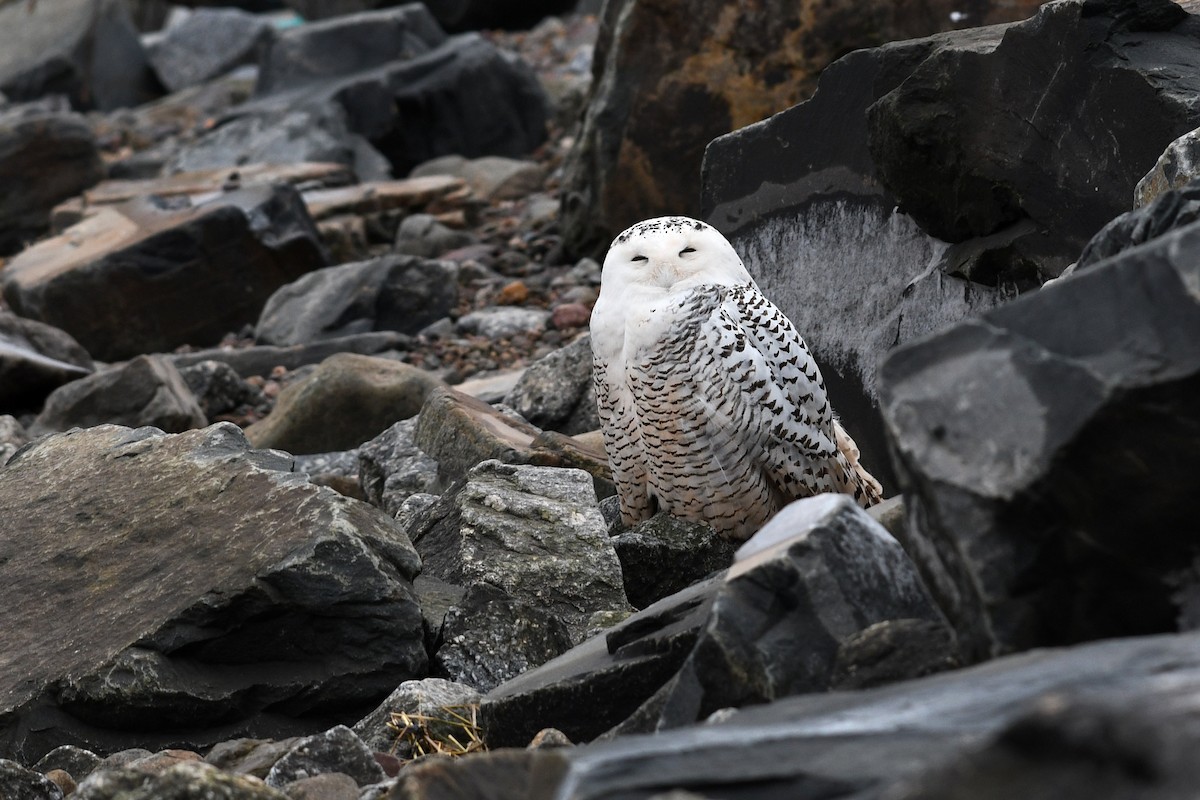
(185, 781)
(556, 391)
(19, 783)
(200, 585)
(392, 468)
(336, 750)
(664, 555)
(436, 705)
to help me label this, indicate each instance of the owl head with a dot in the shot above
(672, 253)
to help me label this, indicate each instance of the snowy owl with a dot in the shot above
(712, 407)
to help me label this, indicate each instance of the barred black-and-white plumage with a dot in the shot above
(712, 407)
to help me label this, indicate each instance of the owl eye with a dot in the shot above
(641, 258)
(687, 250)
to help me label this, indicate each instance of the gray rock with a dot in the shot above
(344, 46)
(316, 133)
(207, 44)
(36, 358)
(458, 432)
(19, 783)
(893, 650)
(1173, 208)
(503, 322)
(556, 391)
(626, 666)
(501, 774)
(463, 97)
(391, 293)
(1104, 720)
(45, 158)
(490, 177)
(249, 756)
(200, 586)
(664, 555)
(145, 391)
(438, 706)
(218, 388)
(491, 637)
(144, 276)
(183, 781)
(86, 49)
(347, 400)
(392, 468)
(336, 750)
(326, 786)
(1178, 165)
(532, 532)
(1059, 436)
(342, 464)
(75, 761)
(423, 235)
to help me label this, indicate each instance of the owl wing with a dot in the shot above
(622, 443)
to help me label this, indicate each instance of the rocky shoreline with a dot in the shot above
(301, 489)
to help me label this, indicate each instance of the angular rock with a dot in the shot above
(207, 44)
(458, 432)
(85, 49)
(346, 45)
(199, 587)
(625, 667)
(336, 750)
(1174, 208)
(490, 177)
(317, 133)
(501, 774)
(44, 159)
(146, 277)
(391, 293)
(249, 756)
(503, 322)
(1063, 438)
(346, 401)
(422, 235)
(326, 786)
(73, 760)
(532, 532)
(36, 358)
(794, 200)
(19, 783)
(664, 555)
(894, 650)
(657, 102)
(182, 781)
(218, 388)
(556, 391)
(392, 468)
(436, 705)
(145, 391)
(464, 97)
(1178, 165)
(491, 637)
(1103, 720)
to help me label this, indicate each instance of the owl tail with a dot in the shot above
(854, 478)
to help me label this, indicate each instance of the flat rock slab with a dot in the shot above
(149, 275)
(432, 194)
(200, 185)
(164, 587)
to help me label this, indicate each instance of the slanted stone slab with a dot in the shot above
(35, 359)
(244, 599)
(432, 194)
(149, 275)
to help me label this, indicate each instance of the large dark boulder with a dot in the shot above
(149, 275)
(1049, 452)
(1174, 208)
(667, 78)
(463, 97)
(1111, 719)
(185, 588)
(45, 158)
(87, 50)
(813, 213)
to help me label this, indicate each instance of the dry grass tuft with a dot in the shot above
(454, 731)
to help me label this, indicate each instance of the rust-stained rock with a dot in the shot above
(670, 77)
